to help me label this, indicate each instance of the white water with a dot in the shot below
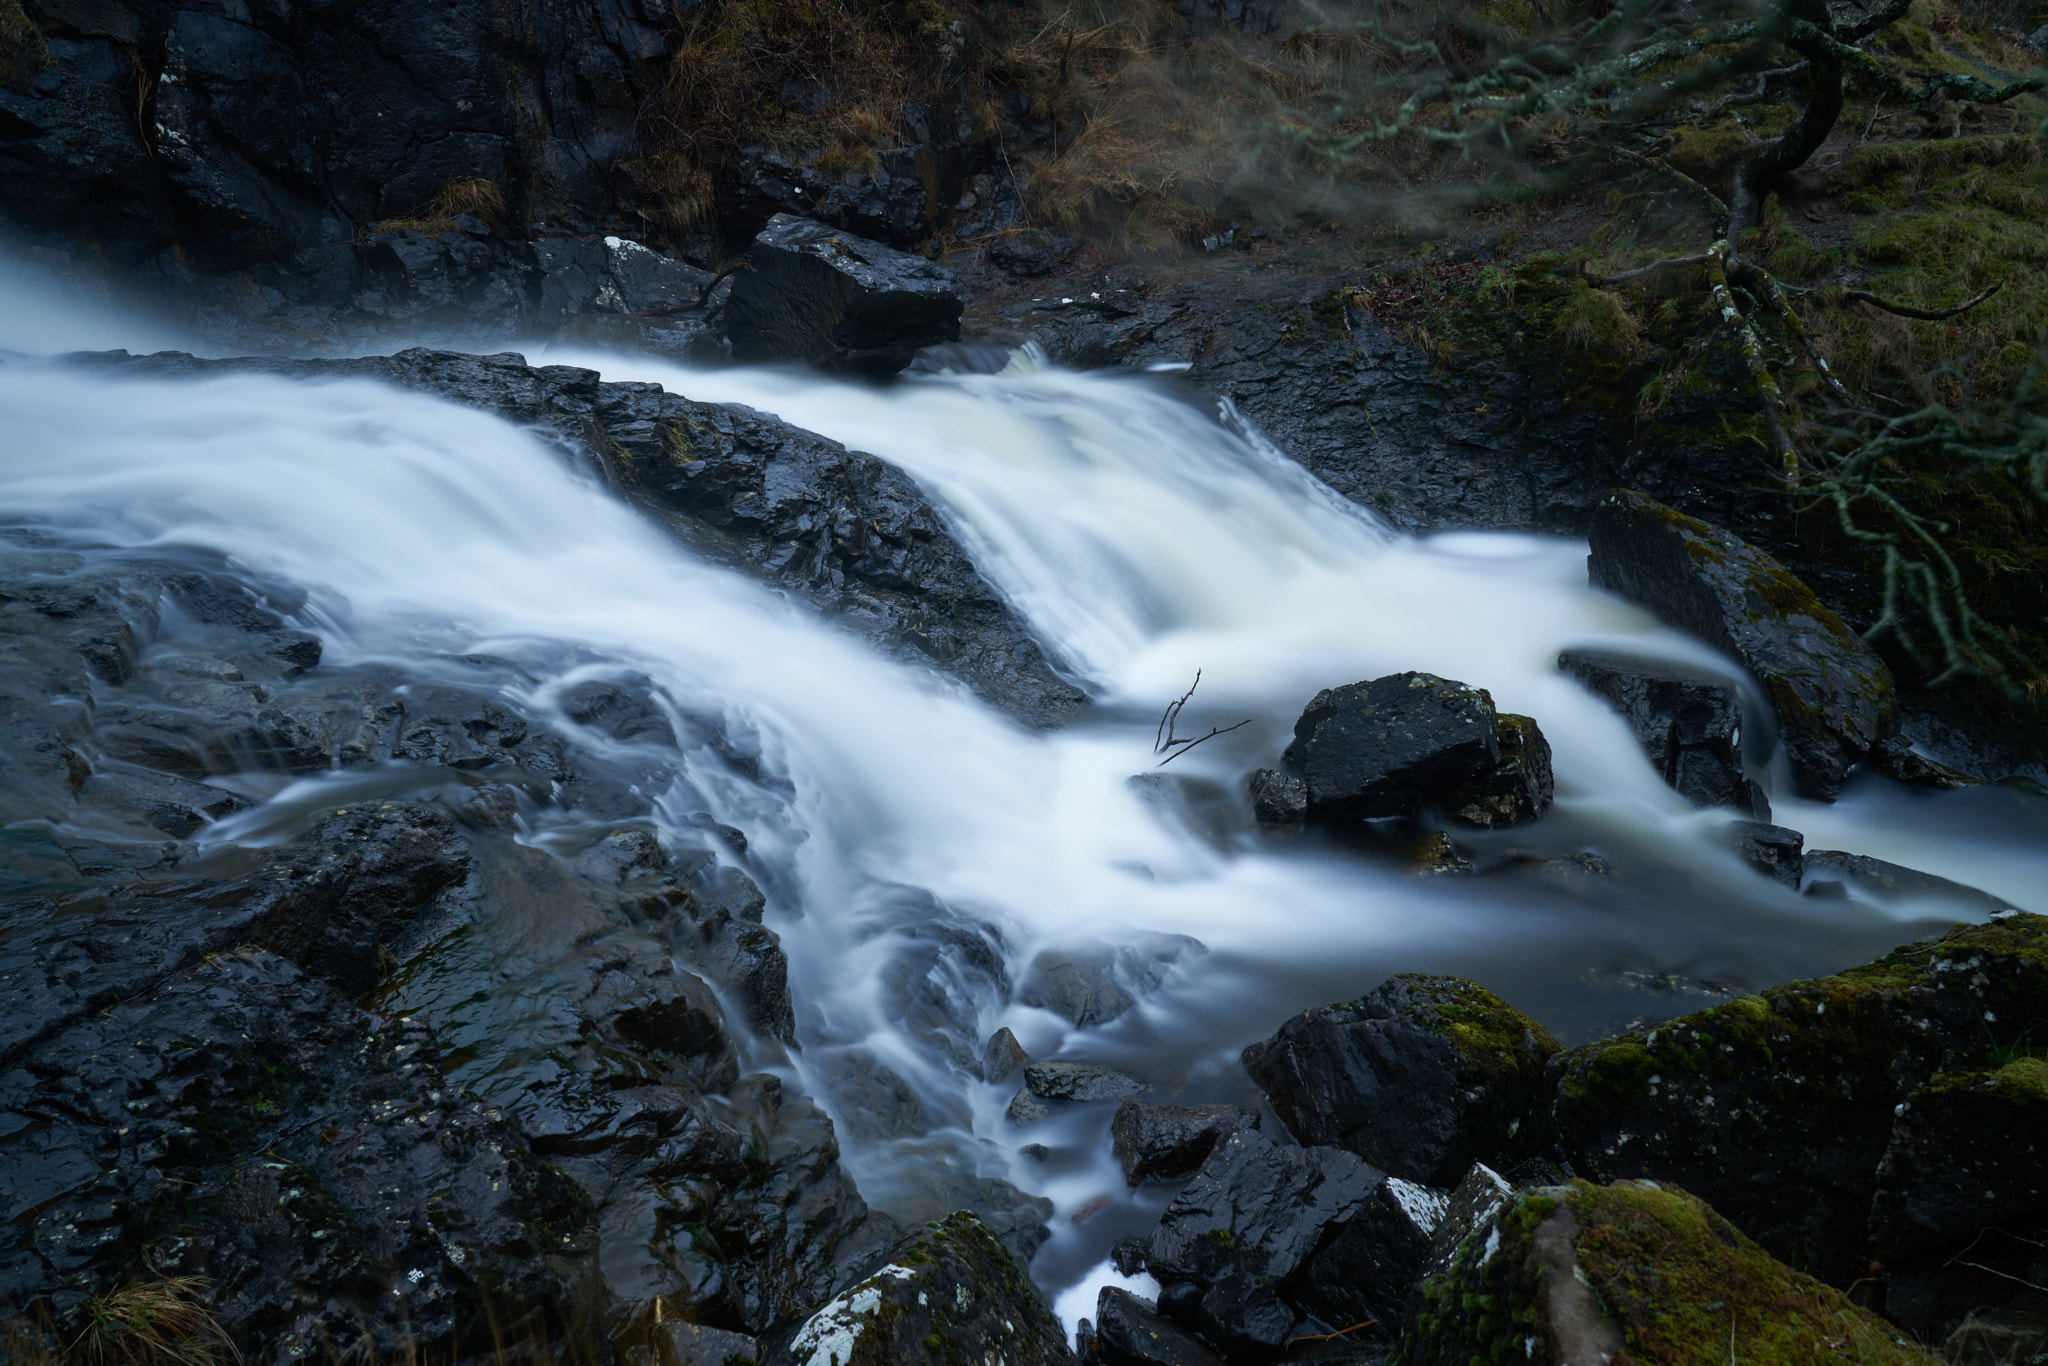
(1142, 540)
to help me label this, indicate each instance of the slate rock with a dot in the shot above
(1003, 1056)
(1473, 1206)
(1520, 787)
(1780, 1107)
(825, 297)
(1079, 1081)
(694, 1344)
(1571, 1275)
(1129, 1332)
(1884, 881)
(1385, 747)
(952, 1283)
(1026, 1109)
(1771, 849)
(1834, 698)
(1277, 798)
(1688, 722)
(1371, 1268)
(1422, 1077)
(1092, 986)
(1154, 1142)
(1247, 1222)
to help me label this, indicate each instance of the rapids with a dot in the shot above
(1145, 533)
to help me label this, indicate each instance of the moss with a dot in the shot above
(22, 50)
(1486, 1030)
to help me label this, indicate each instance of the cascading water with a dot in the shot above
(1143, 538)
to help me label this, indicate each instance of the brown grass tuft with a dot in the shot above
(162, 1322)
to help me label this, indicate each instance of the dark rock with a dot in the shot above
(1095, 986)
(1770, 849)
(1079, 1081)
(1127, 1255)
(1833, 696)
(1435, 856)
(1520, 787)
(1366, 1274)
(1578, 1274)
(1780, 1107)
(1965, 1155)
(950, 1283)
(825, 297)
(1156, 1142)
(1030, 252)
(1026, 1109)
(1385, 747)
(1128, 1332)
(1422, 1076)
(1277, 798)
(693, 1344)
(1246, 1224)
(1889, 882)
(844, 530)
(644, 1001)
(1898, 761)
(1689, 723)
(1003, 1056)
(1472, 1208)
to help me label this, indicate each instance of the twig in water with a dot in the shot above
(1325, 1337)
(1165, 742)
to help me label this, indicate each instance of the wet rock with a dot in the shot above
(1365, 1275)
(1780, 1107)
(1520, 787)
(157, 801)
(1003, 1056)
(1996, 1337)
(1277, 798)
(1966, 1155)
(1770, 849)
(826, 297)
(1026, 1109)
(1079, 1081)
(1094, 986)
(1154, 1142)
(693, 1344)
(1834, 697)
(1473, 1206)
(1422, 1076)
(1883, 881)
(843, 529)
(951, 1283)
(1129, 1332)
(1384, 747)
(628, 712)
(1246, 1224)
(1898, 761)
(1584, 1273)
(643, 1000)
(1688, 722)
(1435, 856)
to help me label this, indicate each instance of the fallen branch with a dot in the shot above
(1325, 1337)
(1931, 315)
(1164, 741)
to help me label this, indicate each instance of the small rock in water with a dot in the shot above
(1883, 881)
(1385, 747)
(1770, 849)
(1422, 1076)
(1093, 986)
(1688, 722)
(1079, 1081)
(1027, 1109)
(1434, 855)
(1278, 798)
(1127, 1255)
(1003, 1056)
(1154, 1142)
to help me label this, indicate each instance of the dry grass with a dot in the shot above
(162, 1322)
(473, 195)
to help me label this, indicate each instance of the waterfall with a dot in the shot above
(1144, 533)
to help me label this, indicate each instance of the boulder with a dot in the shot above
(1967, 1153)
(1520, 787)
(825, 297)
(1129, 1332)
(1883, 881)
(1780, 1107)
(1385, 747)
(1092, 986)
(1770, 849)
(1422, 1077)
(1365, 1275)
(951, 1291)
(1079, 1081)
(1582, 1274)
(1242, 1228)
(1688, 722)
(1154, 1142)
(1003, 1056)
(1834, 698)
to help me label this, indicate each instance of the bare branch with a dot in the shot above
(1164, 740)
(1931, 315)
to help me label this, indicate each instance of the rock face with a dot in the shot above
(949, 1294)
(825, 297)
(1630, 1271)
(1422, 1077)
(1833, 696)
(842, 528)
(1690, 724)
(1782, 1108)
(1389, 746)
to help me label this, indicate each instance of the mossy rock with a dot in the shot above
(1969, 1151)
(1422, 1077)
(1780, 1107)
(948, 1295)
(1834, 697)
(1587, 1273)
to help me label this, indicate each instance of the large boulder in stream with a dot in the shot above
(1582, 1274)
(1688, 722)
(1390, 746)
(1422, 1076)
(823, 296)
(1888, 1112)
(948, 1294)
(1834, 697)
